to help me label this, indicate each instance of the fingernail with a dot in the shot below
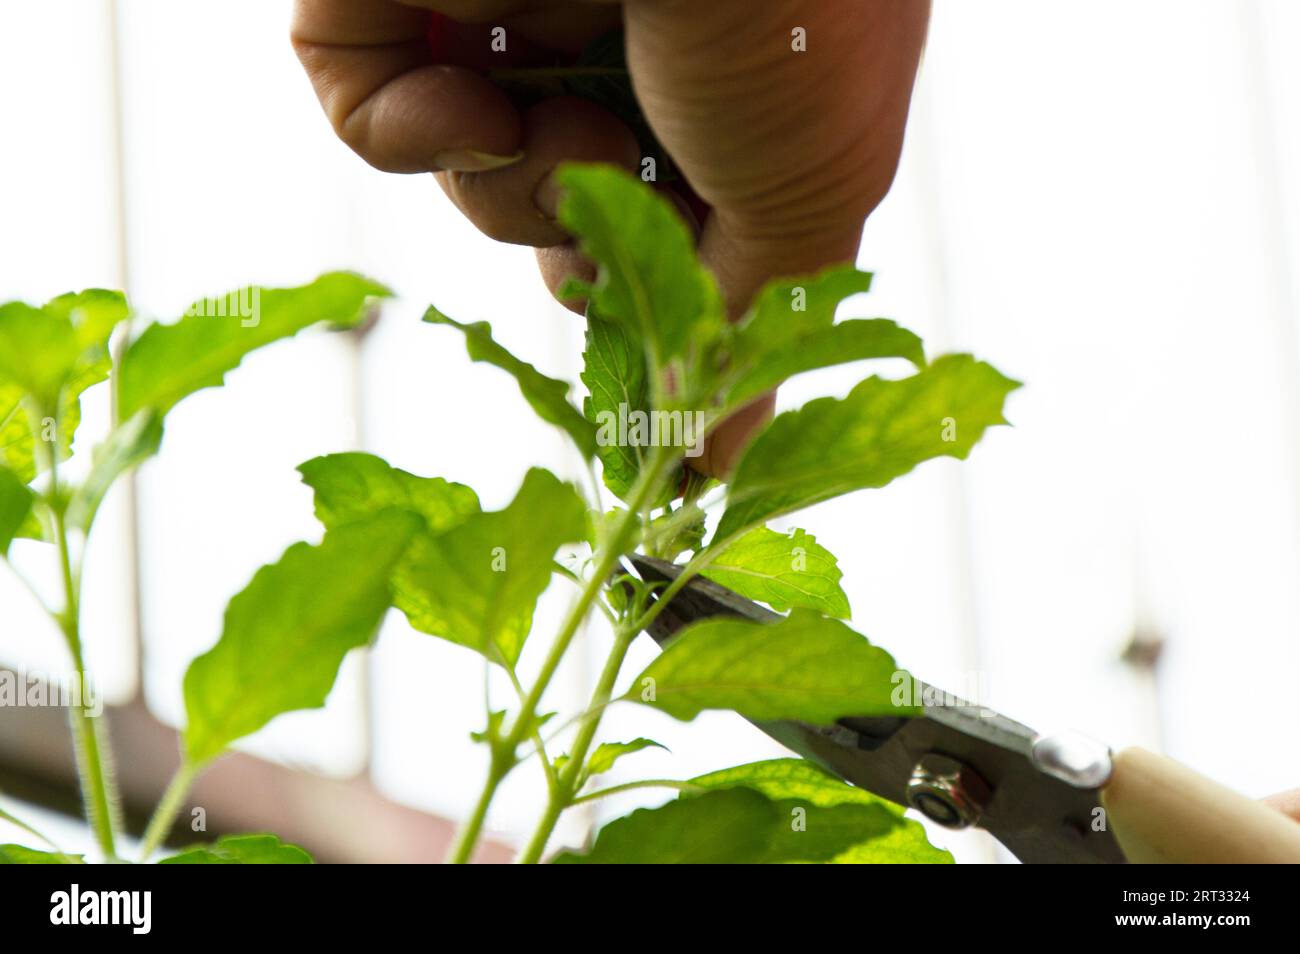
(547, 196)
(470, 160)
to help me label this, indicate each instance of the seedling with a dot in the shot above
(659, 348)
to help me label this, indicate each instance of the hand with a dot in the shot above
(786, 152)
(1288, 803)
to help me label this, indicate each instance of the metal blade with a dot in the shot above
(958, 763)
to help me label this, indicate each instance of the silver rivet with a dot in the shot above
(1074, 758)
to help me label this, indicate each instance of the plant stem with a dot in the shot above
(93, 769)
(19, 823)
(632, 786)
(689, 572)
(96, 789)
(647, 485)
(462, 850)
(646, 488)
(547, 767)
(560, 799)
(532, 852)
(164, 815)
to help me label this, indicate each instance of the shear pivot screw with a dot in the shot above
(947, 792)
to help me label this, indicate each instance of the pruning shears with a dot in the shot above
(1060, 798)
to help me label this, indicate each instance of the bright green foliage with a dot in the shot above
(287, 632)
(128, 446)
(649, 280)
(19, 855)
(614, 372)
(94, 314)
(16, 441)
(803, 667)
(735, 826)
(853, 340)
(494, 733)
(48, 357)
(658, 342)
(783, 810)
(607, 753)
(16, 500)
(169, 362)
(793, 778)
(781, 570)
(880, 431)
(478, 583)
(548, 397)
(38, 351)
(350, 486)
(242, 850)
(904, 843)
(790, 329)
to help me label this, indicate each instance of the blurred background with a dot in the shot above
(1102, 199)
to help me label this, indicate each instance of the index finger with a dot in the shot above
(371, 66)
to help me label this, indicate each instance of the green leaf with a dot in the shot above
(801, 667)
(494, 734)
(169, 362)
(607, 753)
(905, 843)
(790, 329)
(38, 350)
(94, 313)
(287, 632)
(18, 435)
(675, 532)
(783, 571)
(649, 279)
(241, 850)
(880, 431)
(735, 826)
(49, 356)
(20, 855)
(128, 446)
(547, 396)
(350, 486)
(614, 372)
(478, 583)
(794, 778)
(16, 500)
(16, 442)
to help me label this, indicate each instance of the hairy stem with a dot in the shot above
(646, 488)
(633, 786)
(561, 799)
(462, 849)
(94, 772)
(164, 815)
(689, 572)
(547, 767)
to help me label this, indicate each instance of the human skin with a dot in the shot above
(784, 153)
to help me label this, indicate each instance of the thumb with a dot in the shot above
(1288, 803)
